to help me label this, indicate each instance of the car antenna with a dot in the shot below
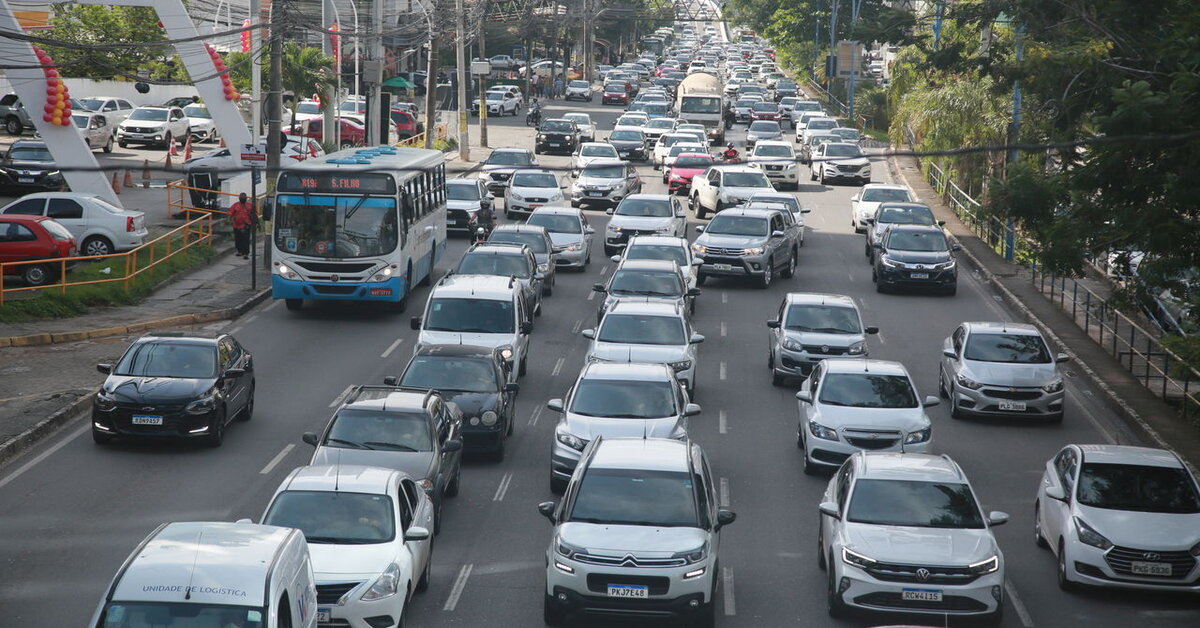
(195, 558)
(337, 470)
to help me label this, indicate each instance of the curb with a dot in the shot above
(19, 443)
(1127, 413)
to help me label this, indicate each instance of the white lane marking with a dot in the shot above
(1022, 612)
(1108, 436)
(277, 459)
(879, 335)
(604, 271)
(234, 330)
(722, 369)
(724, 492)
(503, 488)
(391, 348)
(460, 583)
(42, 456)
(722, 422)
(272, 305)
(851, 275)
(1168, 614)
(558, 364)
(537, 412)
(250, 319)
(727, 584)
(591, 295)
(577, 327)
(723, 329)
(338, 399)
(724, 297)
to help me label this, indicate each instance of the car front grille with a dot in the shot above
(871, 439)
(334, 267)
(824, 349)
(1012, 394)
(891, 572)
(629, 561)
(949, 603)
(715, 251)
(331, 593)
(140, 129)
(500, 176)
(598, 582)
(1121, 560)
(845, 168)
(530, 199)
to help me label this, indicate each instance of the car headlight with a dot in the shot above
(822, 432)
(426, 484)
(542, 268)
(664, 229)
(967, 382)
(566, 549)
(944, 265)
(792, 344)
(385, 585)
(577, 246)
(699, 249)
(570, 440)
(382, 275)
(104, 403)
(541, 137)
(985, 566)
(754, 250)
(488, 418)
(681, 365)
(857, 348)
(615, 229)
(506, 352)
(919, 436)
(1089, 536)
(514, 196)
(692, 556)
(889, 263)
(204, 405)
(851, 557)
(1053, 386)
(284, 271)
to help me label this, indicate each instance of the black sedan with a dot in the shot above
(476, 379)
(630, 144)
(915, 256)
(556, 135)
(175, 384)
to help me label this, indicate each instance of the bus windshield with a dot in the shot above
(336, 226)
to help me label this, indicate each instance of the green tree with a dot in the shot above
(81, 27)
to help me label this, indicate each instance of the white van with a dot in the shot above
(213, 575)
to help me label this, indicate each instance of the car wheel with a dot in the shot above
(810, 467)
(552, 613)
(247, 412)
(13, 125)
(768, 275)
(101, 438)
(955, 413)
(122, 144)
(108, 145)
(96, 245)
(294, 305)
(1064, 581)
(37, 275)
(700, 279)
(942, 384)
(812, 174)
(423, 583)
(346, 145)
(216, 430)
(167, 141)
(790, 271)
(833, 599)
(1039, 539)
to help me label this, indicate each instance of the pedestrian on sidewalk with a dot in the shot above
(535, 84)
(243, 216)
(558, 86)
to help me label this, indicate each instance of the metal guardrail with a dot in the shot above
(1001, 235)
(417, 140)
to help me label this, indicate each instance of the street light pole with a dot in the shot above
(464, 146)
(431, 84)
(483, 122)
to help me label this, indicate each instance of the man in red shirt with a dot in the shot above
(243, 217)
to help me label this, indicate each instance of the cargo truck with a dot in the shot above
(699, 101)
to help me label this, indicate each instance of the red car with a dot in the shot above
(615, 94)
(686, 166)
(353, 133)
(407, 125)
(24, 237)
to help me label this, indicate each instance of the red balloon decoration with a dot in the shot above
(219, 64)
(58, 99)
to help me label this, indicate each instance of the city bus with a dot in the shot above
(362, 224)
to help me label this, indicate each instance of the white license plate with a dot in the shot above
(147, 419)
(920, 275)
(723, 266)
(1016, 406)
(555, 144)
(628, 590)
(595, 193)
(24, 179)
(1142, 568)
(922, 595)
(324, 615)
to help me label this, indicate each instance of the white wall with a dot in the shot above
(83, 88)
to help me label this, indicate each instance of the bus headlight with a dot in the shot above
(383, 275)
(283, 271)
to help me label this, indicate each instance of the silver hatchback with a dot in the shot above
(1001, 369)
(811, 327)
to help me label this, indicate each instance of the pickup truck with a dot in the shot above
(13, 114)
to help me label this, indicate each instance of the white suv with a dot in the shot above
(905, 533)
(638, 533)
(481, 310)
(154, 125)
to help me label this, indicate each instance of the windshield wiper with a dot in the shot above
(833, 330)
(649, 293)
(378, 444)
(351, 443)
(323, 539)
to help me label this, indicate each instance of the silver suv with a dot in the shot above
(638, 533)
(754, 243)
(647, 332)
(604, 182)
(616, 400)
(811, 327)
(644, 214)
(647, 280)
(1001, 369)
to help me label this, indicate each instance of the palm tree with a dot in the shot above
(305, 70)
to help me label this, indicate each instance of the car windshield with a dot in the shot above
(807, 105)
(451, 373)
(905, 215)
(534, 240)
(737, 225)
(556, 126)
(308, 107)
(644, 207)
(556, 223)
(604, 171)
(197, 111)
(917, 241)
(1009, 348)
(914, 503)
(506, 265)
(661, 123)
(841, 150)
(745, 103)
(636, 497)
(534, 180)
(578, 118)
(791, 203)
(473, 316)
(645, 283)
(627, 135)
(867, 390)
(764, 126)
(391, 430)
(881, 195)
(614, 88)
(821, 125)
(695, 162)
(746, 180)
(766, 106)
(30, 153)
(631, 120)
(622, 399)
(178, 615)
(700, 104)
(462, 191)
(92, 104)
(1138, 488)
(641, 329)
(657, 108)
(773, 150)
(168, 359)
(495, 95)
(335, 517)
(599, 150)
(825, 319)
(509, 158)
(153, 115)
(675, 254)
(579, 83)
(847, 134)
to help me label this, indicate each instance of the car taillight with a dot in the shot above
(129, 224)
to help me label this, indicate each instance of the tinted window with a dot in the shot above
(534, 180)
(825, 319)
(603, 150)
(640, 282)
(604, 171)
(642, 329)
(335, 516)
(905, 215)
(509, 158)
(649, 498)
(764, 126)
(556, 223)
(29, 206)
(657, 251)
(166, 359)
(1138, 488)
(868, 390)
(30, 153)
(747, 180)
(451, 373)
(737, 225)
(388, 431)
(463, 192)
(919, 241)
(644, 207)
(493, 264)
(153, 115)
(13, 232)
(693, 161)
(535, 241)
(773, 150)
(878, 195)
(481, 316)
(914, 503)
(557, 126)
(839, 150)
(1013, 348)
(64, 208)
(627, 135)
(623, 399)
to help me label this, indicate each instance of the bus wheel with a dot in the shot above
(294, 304)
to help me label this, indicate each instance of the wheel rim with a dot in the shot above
(35, 275)
(1037, 523)
(96, 247)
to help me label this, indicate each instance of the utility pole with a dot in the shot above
(483, 136)
(431, 83)
(274, 111)
(464, 144)
(328, 19)
(256, 99)
(373, 100)
(528, 52)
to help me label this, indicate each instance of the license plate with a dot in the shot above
(1150, 569)
(555, 144)
(147, 419)
(628, 590)
(723, 266)
(920, 275)
(534, 206)
(381, 292)
(595, 193)
(324, 615)
(24, 179)
(921, 595)
(1018, 406)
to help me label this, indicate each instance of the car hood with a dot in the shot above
(745, 193)
(998, 374)
(920, 546)
(465, 205)
(32, 165)
(686, 173)
(589, 427)
(418, 464)
(622, 352)
(853, 161)
(774, 161)
(643, 223)
(822, 339)
(905, 419)
(617, 540)
(155, 390)
(331, 561)
(501, 168)
(149, 124)
(534, 192)
(584, 160)
(472, 403)
(919, 257)
(619, 144)
(729, 241)
(460, 338)
(598, 181)
(763, 136)
(1151, 530)
(563, 239)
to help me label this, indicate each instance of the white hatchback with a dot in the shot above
(99, 227)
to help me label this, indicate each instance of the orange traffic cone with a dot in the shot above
(172, 152)
(222, 144)
(116, 187)
(187, 149)
(145, 173)
(128, 182)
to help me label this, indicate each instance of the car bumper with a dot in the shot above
(632, 153)
(679, 185)
(1090, 565)
(609, 100)
(788, 174)
(800, 363)
(601, 197)
(579, 95)
(860, 590)
(126, 240)
(357, 613)
(908, 278)
(522, 207)
(483, 438)
(565, 145)
(175, 422)
(140, 138)
(569, 258)
(986, 401)
(387, 291)
(734, 267)
(832, 453)
(461, 220)
(834, 174)
(585, 589)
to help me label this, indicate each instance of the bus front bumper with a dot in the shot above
(390, 290)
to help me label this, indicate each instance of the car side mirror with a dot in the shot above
(310, 438)
(854, 199)
(415, 323)
(777, 234)
(870, 221)
(588, 231)
(391, 380)
(104, 368)
(699, 228)
(931, 401)
(547, 510)
(997, 518)
(526, 327)
(539, 276)
(725, 517)
(697, 261)
(416, 533)
(1062, 357)
(452, 446)
(949, 353)
(512, 388)
(693, 292)
(589, 333)
(555, 405)
(941, 223)
(773, 324)
(871, 331)
(830, 509)
(805, 211)
(877, 245)
(491, 196)
(691, 409)
(1056, 493)
(696, 339)
(610, 210)
(234, 372)
(599, 287)
(804, 395)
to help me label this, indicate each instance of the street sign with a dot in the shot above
(253, 155)
(849, 59)
(481, 68)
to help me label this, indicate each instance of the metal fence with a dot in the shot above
(999, 234)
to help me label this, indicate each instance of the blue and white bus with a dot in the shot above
(363, 224)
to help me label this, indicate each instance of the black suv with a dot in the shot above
(175, 384)
(28, 165)
(556, 135)
(915, 256)
(476, 379)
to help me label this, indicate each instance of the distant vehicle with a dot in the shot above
(99, 227)
(96, 130)
(24, 238)
(578, 90)
(154, 126)
(201, 124)
(699, 99)
(16, 119)
(115, 110)
(28, 165)
(504, 62)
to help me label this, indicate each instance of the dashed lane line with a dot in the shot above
(558, 364)
(727, 585)
(502, 489)
(537, 412)
(722, 423)
(724, 493)
(1018, 605)
(460, 583)
(277, 459)
(391, 348)
(338, 399)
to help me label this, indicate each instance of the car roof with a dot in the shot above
(817, 298)
(884, 186)
(751, 212)
(157, 107)
(34, 143)
(651, 454)
(489, 287)
(385, 399)
(737, 168)
(639, 371)
(461, 181)
(25, 217)
(349, 478)
(900, 227)
(651, 308)
(498, 248)
(903, 204)
(905, 466)
(606, 161)
(583, 144)
(1126, 454)
(858, 365)
(988, 327)
(656, 265)
(658, 239)
(182, 337)
(773, 143)
(458, 351)
(558, 210)
(519, 227)
(533, 171)
(650, 197)
(511, 150)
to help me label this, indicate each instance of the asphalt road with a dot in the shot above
(72, 511)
